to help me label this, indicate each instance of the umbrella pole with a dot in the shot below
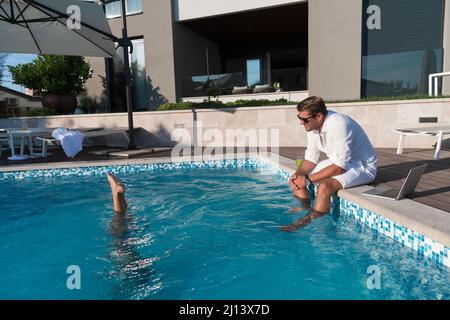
(126, 60)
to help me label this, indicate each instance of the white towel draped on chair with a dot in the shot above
(71, 141)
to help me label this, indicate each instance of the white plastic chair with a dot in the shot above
(4, 145)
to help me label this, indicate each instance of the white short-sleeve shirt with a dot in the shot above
(343, 141)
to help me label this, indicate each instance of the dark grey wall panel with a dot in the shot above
(406, 25)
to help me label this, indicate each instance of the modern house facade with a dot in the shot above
(341, 49)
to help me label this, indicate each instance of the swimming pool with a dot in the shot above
(193, 232)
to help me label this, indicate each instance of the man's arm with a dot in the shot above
(305, 168)
(327, 172)
(298, 180)
(312, 154)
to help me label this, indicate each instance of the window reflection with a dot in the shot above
(398, 57)
(113, 9)
(133, 6)
(140, 83)
(253, 72)
(404, 73)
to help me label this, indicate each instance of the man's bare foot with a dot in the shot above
(118, 191)
(288, 228)
(296, 225)
(300, 223)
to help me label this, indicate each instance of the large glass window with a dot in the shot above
(140, 82)
(113, 9)
(253, 72)
(133, 6)
(399, 74)
(402, 43)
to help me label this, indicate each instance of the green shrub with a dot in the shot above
(63, 75)
(259, 103)
(176, 106)
(40, 112)
(278, 102)
(89, 104)
(393, 98)
(220, 104)
(210, 104)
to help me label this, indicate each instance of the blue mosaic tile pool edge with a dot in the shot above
(122, 168)
(424, 246)
(132, 168)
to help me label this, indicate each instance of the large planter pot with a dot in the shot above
(63, 104)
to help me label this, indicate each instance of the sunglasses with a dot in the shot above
(306, 120)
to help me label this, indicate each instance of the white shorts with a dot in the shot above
(359, 174)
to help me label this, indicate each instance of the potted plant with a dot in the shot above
(88, 104)
(59, 78)
(211, 89)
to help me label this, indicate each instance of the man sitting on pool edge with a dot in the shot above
(351, 157)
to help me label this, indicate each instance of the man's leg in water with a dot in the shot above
(118, 192)
(326, 189)
(304, 204)
(301, 194)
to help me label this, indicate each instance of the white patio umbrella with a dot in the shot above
(47, 27)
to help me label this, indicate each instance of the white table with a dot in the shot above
(24, 134)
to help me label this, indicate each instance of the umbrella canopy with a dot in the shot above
(40, 27)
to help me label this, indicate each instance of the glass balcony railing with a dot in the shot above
(278, 80)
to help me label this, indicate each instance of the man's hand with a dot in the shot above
(297, 182)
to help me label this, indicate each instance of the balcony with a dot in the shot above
(290, 83)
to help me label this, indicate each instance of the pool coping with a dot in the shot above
(425, 220)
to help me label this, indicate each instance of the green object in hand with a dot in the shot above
(298, 162)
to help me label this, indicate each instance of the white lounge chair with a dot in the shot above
(48, 140)
(4, 141)
(438, 132)
(4, 144)
(45, 143)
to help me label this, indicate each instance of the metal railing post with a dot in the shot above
(434, 90)
(430, 85)
(436, 86)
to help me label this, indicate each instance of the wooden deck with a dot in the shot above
(433, 189)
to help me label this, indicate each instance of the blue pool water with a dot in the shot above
(194, 234)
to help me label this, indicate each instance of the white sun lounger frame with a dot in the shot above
(438, 132)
